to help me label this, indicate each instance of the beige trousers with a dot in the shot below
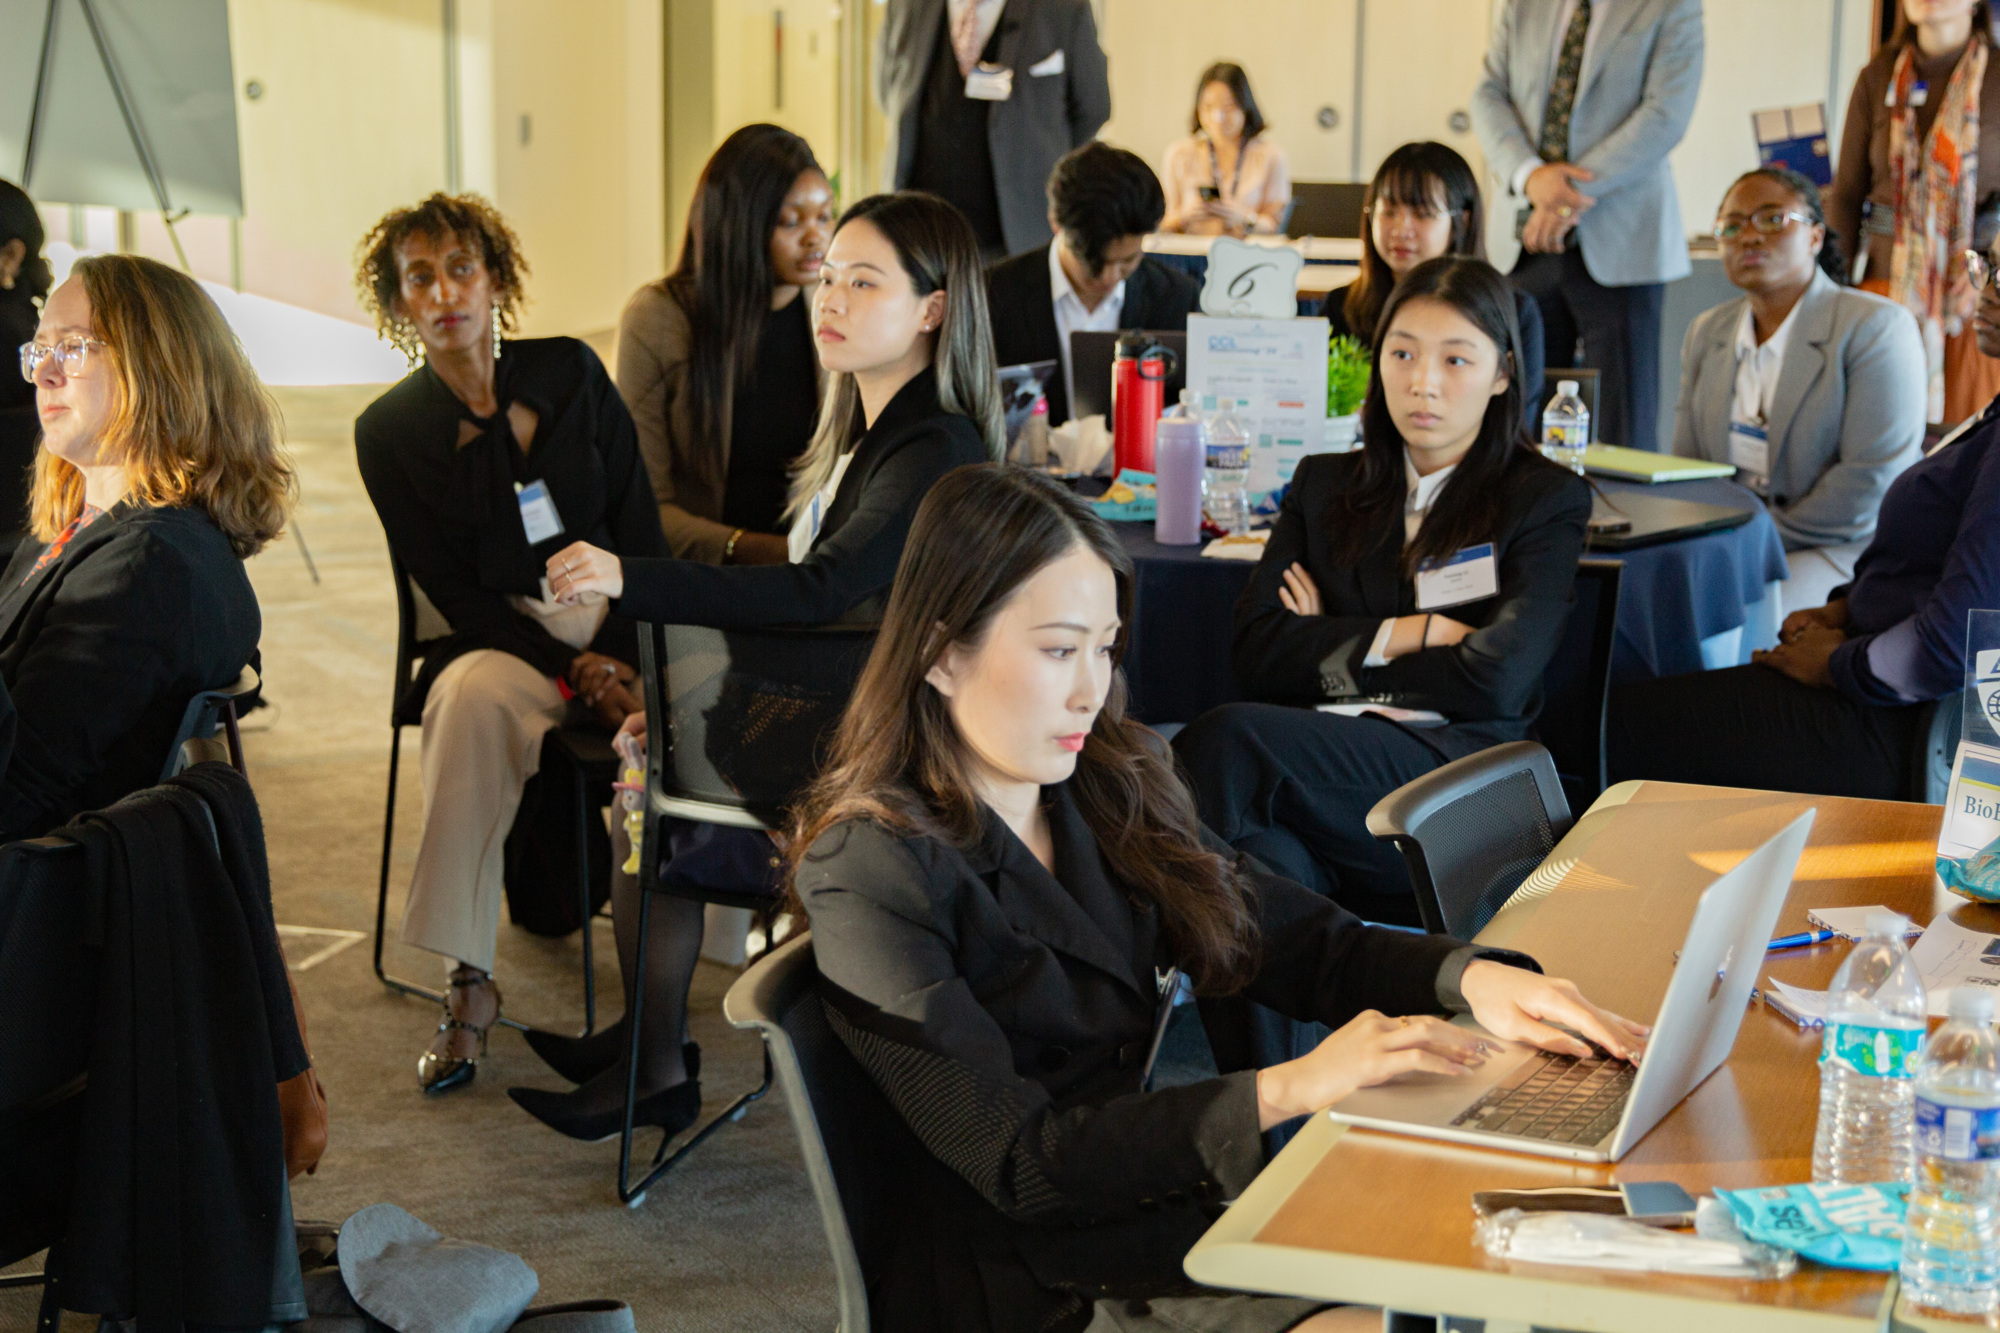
(484, 720)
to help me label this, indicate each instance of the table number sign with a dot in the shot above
(1252, 281)
(1968, 852)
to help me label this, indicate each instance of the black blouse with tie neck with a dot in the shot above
(451, 510)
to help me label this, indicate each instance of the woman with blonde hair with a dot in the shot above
(159, 473)
(901, 327)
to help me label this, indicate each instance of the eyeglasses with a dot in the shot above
(1769, 221)
(1978, 269)
(72, 354)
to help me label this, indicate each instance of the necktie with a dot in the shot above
(1554, 146)
(965, 38)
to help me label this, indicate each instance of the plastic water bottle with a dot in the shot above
(1225, 480)
(1951, 1234)
(1566, 428)
(1868, 1064)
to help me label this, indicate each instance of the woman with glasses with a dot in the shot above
(158, 475)
(1423, 204)
(1814, 391)
(1908, 197)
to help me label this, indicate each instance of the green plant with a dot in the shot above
(1347, 370)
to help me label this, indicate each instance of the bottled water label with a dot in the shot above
(1882, 1052)
(1573, 435)
(1228, 457)
(1958, 1133)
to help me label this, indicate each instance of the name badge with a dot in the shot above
(538, 512)
(1469, 575)
(805, 528)
(1750, 449)
(989, 83)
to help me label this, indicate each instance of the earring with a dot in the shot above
(496, 333)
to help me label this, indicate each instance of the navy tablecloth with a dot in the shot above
(1672, 597)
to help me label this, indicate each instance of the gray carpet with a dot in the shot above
(728, 1241)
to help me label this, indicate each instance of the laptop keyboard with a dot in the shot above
(1564, 1100)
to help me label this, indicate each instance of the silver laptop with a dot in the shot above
(1597, 1109)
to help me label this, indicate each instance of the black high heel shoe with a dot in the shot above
(438, 1071)
(672, 1109)
(581, 1059)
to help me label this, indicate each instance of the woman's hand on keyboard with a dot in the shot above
(1372, 1048)
(1520, 1005)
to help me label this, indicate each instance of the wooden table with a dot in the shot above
(1383, 1219)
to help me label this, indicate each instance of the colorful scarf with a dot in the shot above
(53, 551)
(1935, 179)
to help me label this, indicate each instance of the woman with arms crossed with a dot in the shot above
(997, 863)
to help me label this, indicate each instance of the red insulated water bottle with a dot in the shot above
(1138, 390)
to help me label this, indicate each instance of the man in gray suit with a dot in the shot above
(982, 98)
(1581, 103)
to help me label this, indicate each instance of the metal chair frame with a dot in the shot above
(1397, 816)
(411, 608)
(663, 801)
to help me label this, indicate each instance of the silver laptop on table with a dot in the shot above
(1596, 1109)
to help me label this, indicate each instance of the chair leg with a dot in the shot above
(583, 913)
(629, 1194)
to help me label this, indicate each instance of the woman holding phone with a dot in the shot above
(901, 326)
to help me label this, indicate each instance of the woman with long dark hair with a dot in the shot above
(1417, 586)
(997, 864)
(1230, 177)
(901, 324)
(1423, 204)
(716, 359)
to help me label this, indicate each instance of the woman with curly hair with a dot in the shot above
(489, 456)
(158, 475)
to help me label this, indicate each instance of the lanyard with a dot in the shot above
(1215, 168)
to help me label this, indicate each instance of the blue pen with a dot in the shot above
(1801, 940)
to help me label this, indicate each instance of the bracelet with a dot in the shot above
(729, 547)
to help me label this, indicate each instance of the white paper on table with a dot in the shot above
(1949, 956)
(1805, 1007)
(1276, 370)
(1851, 923)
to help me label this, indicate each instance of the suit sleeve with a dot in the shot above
(845, 569)
(900, 1003)
(1284, 658)
(1881, 433)
(1643, 139)
(650, 390)
(1089, 81)
(1503, 135)
(1687, 430)
(108, 649)
(1496, 671)
(413, 535)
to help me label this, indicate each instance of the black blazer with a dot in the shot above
(102, 649)
(853, 560)
(450, 511)
(1006, 1012)
(1534, 345)
(1489, 684)
(1157, 296)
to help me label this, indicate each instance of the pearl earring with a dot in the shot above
(496, 333)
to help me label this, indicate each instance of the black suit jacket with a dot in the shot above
(102, 649)
(847, 573)
(1024, 312)
(1490, 683)
(1005, 1012)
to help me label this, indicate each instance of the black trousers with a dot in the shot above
(1620, 331)
(1753, 726)
(1293, 788)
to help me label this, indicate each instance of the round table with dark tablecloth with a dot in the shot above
(1697, 603)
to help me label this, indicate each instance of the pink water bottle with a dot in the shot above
(1180, 448)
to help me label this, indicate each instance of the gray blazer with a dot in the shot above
(1847, 418)
(1634, 99)
(1048, 115)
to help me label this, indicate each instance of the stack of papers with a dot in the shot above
(1610, 460)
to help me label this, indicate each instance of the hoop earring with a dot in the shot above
(496, 333)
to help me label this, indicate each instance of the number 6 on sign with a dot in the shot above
(1251, 281)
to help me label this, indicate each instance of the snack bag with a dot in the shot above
(1844, 1226)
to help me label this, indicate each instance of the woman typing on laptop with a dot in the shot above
(1000, 867)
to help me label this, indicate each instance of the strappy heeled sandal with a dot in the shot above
(438, 1071)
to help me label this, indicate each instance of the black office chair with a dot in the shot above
(1472, 832)
(1325, 208)
(737, 726)
(420, 627)
(1576, 688)
(1939, 725)
(212, 711)
(852, 1140)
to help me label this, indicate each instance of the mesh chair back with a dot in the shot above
(1577, 685)
(48, 988)
(419, 628)
(856, 1147)
(750, 714)
(1473, 830)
